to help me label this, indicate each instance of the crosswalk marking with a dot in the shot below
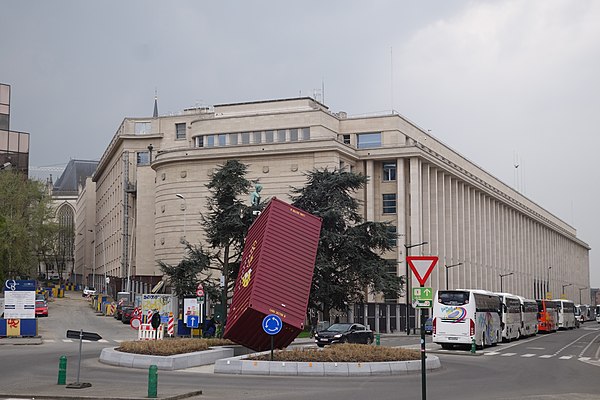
(584, 358)
(67, 340)
(508, 354)
(547, 356)
(491, 353)
(565, 357)
(528, 355)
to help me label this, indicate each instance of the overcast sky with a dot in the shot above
(501, 82)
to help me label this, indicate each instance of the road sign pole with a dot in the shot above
(272, 345)
(79, 364)
(423, 357)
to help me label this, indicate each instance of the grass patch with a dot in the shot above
(343, 353)
(169, 347)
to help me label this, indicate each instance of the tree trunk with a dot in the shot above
(225, 281)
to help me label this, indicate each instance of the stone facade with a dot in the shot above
(150, 192)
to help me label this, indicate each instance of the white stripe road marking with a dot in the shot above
(584, 358)
(67, 340)
(491, 353)
(528, 355)
(119, 340)
(49, 340)
(565, 357)
(547, 356)
(508, 354)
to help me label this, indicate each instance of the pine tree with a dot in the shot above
(349, 262)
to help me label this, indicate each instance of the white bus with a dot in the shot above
(597, 314)
(459, 316)
(529, 320)
(510, 316)
(581, 313)
(566, 314)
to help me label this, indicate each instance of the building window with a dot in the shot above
(389, 203)
(210, 141)
(268, 136)
(256, 137)
(222, 140)
(389, 170)
(143, 158)
(233, 138)
(245, 137)
(392, 235)
(293, 135)
(143, 128)
(180, 131)
(305, 133)
(369, 140)
(346, 139)
(199, 141)
(281, 135)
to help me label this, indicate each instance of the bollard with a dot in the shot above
(152, 381)
(62, 370)
(377, 339)
(473, 346)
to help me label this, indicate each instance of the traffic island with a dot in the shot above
(179, 361)
(243, 366)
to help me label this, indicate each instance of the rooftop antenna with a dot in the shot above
(392, 78)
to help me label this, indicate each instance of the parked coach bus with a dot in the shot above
(510, 318)
(598, 314)
(547, 316)
(459, 316)
(566, 314)
(529, 319)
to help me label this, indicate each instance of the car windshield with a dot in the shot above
(339, 327)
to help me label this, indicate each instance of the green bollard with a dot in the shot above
(473, 346)
(152, 381)
(62, 370)
(377, 339)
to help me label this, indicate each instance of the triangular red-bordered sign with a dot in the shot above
(422, 266)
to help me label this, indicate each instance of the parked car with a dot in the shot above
(429, 326)
(88, 291)
(119, 309)
(344, 333)
(41, 308)
(127, 314)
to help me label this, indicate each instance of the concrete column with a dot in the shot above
(401, 215)
(377, 318)
(387, 319)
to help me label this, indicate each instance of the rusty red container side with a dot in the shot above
(275, 276)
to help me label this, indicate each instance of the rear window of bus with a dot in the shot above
(453, 298)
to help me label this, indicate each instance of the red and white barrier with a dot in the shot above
(171, 325)
(147, 332)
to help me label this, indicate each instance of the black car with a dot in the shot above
(344, 333)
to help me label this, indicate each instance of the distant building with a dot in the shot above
(150, 192)
(14, 146)
(65, 193)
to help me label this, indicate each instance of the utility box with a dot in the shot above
(275, 276)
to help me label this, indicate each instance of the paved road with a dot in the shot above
(557, 366)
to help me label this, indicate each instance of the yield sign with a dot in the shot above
(422, 266)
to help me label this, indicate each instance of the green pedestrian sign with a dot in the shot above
(422, 297)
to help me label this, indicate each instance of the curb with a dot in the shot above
(169, 363)
(67, 397)
(241, 366)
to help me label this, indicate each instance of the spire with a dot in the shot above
(155, 115)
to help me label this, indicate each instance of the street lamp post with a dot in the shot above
(580, 289)
(548, 287)
(408, 247)
(447, 268)
(563, 289)
(94, 259)
(104, 260)
(184, 217)
(502, 276)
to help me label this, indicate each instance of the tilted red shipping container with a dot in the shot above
(275, 276)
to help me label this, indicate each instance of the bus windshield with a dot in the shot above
(453, 298)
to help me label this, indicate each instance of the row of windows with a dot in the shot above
(255, 137)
